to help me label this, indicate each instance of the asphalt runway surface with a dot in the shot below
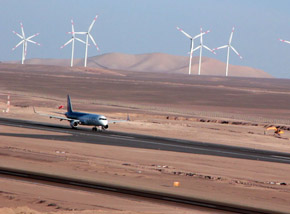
(86, 135)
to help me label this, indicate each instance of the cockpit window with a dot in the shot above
(102, 118)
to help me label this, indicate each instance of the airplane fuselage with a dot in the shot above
(87, 119)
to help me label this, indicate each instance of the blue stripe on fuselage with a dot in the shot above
(87, 119)
(77, 115)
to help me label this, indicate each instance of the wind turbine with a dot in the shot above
(88, 35)
(229, 46)
(200, 47)
(191, 45)
(72, 40)
(24, 41)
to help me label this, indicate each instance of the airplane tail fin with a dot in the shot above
(69, 106)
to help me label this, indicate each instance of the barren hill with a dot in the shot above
(157, 62)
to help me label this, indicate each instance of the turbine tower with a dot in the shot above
(88, 35)
(72, 40)
(229, 46)
(191, 45)
(24, 41)
(200, 47)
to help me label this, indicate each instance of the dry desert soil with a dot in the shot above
(231, 111)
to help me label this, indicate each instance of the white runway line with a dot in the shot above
(280, 157)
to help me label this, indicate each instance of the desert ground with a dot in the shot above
(231, 111)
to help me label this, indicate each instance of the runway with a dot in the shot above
(85, 135)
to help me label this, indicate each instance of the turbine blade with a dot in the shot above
(22, 30)
(17, 35)
(209, 49)
(236, 52)
(186, 34)
(282, 40)
(69, 41)
(33, 36)
(205, 32)
(231, 36)
(199, 35)
(36, 43)
(93, 22)
(198, 47)
(17, 45)
(72, 27)
(80, 40)
(94, 41)
(221, 47)
(79, 33)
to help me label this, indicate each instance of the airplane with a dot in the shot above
(82, 118)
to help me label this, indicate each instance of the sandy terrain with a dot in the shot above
(157, 62)
(193, 108)
(215, 178)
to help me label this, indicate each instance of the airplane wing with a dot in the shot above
(58, 113)
(54, 116)
(118, 121)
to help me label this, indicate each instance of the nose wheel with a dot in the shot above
(100, 129)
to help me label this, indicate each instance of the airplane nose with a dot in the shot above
(104, 122)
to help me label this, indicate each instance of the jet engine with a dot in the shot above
(105, 127)
(74, 124)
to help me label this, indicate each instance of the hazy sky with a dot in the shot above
(146, 26)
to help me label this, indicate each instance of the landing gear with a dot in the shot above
(101, 128)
